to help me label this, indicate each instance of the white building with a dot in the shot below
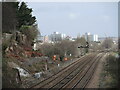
(95, 37)
(57, 37)
(90, 37)
(63, 36)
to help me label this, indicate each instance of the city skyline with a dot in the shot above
(79, 35)
(72, 18)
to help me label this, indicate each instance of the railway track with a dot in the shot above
(65, 76)
(61, 80)
(80, 77)
(32, 84)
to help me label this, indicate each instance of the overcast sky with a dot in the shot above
(80, 17)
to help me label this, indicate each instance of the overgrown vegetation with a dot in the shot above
(24, 15)
(17, 18)
(15, 15)
(64, 48)
(31, 32)
(107, 43)
(109, 75)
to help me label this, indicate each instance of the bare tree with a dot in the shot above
(107, 43)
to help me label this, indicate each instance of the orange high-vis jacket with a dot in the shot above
(54, 57)
(65, 59)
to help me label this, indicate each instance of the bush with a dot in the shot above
(109, 75)
(30, 31)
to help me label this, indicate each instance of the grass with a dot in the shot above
(109, 75)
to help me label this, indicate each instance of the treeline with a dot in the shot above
(17, 22)
(64, 48)
(16, 16)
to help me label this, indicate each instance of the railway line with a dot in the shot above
(75, 75)
(82, 79)
(32, 83)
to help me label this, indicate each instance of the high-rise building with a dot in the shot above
(55, 37)
(95, 37)
(89, 37)
(63, 36)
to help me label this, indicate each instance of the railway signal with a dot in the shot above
(86, 46)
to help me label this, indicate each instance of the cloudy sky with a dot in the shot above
(79, 17)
